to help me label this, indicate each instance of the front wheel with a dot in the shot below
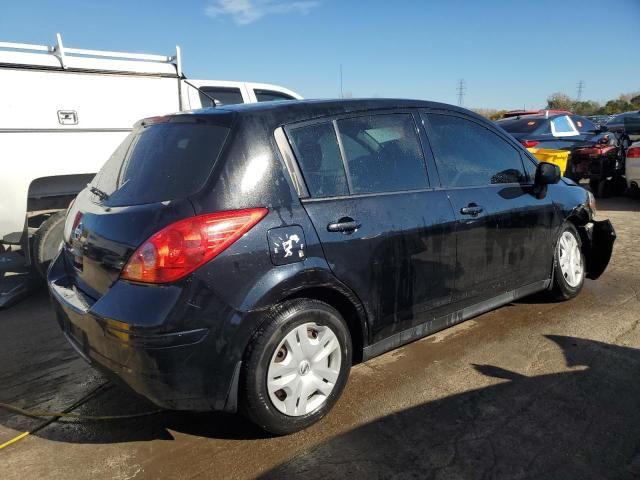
(569, 264)
(296, 366)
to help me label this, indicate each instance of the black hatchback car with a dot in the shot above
(244, 257)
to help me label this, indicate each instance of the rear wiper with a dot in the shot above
(97, 192)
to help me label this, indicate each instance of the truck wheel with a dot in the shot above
(568, 264)
(46, 242)
(295, 367)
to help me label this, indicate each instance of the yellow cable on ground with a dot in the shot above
(14, 440)
(66, 413)
(39, 414)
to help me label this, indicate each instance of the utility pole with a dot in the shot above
(341, 91)
(580, 88)
(461, 89)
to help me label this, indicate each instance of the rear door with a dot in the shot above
(385, 232)
(503, 230)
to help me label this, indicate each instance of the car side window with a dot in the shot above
(468, 154)
(383, 153)
(583, 124)
(562, 127)
(222, 95)
(269, 96)
(317, 151)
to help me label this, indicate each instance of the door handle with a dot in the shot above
(471, 209)
(345, 225)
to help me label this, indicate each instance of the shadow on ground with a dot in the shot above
(579, 424)
(40, 371)
(619, 204)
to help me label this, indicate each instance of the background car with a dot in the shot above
(519, 113)
(599, 119)
(627, 126)
(596, 154)
(632, 168)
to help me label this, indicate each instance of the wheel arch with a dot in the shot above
(349, 308)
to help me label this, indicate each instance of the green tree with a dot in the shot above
(560, 101)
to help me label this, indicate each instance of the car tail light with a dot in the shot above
(529, 143)
(633, 152)
(180, 248)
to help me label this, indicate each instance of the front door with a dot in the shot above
(502, 230)
(384, 232)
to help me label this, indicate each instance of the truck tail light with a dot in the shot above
(183, 246)
(633, 152)
(529, 143)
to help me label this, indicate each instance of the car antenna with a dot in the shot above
(214, 101)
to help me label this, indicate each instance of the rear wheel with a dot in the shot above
(569, 264)
(46, 242)
(296, 366)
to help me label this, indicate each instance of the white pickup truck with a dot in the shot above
(64, 111)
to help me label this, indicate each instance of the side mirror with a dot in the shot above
(601, 128)
(547, 174)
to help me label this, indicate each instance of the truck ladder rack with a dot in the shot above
(61, 53)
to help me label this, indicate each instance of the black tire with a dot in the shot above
(618, 186)
(46, 242)
(599, 188)
(560, 287)
(255, 402)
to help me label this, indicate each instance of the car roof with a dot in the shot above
(300, 110)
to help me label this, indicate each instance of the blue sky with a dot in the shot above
(510, 53)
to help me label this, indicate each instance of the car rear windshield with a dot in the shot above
(522, 125)
(159, 162)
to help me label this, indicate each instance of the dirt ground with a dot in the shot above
(532, 390)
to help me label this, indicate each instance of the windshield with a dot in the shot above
(160, 162)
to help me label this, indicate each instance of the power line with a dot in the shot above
(580, 88)
(461, 91)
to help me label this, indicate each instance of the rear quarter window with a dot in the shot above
(161, 162)
(317, 151)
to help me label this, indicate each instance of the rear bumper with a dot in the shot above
(597, 245)
(153, 339)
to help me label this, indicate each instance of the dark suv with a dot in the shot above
(243, 257)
